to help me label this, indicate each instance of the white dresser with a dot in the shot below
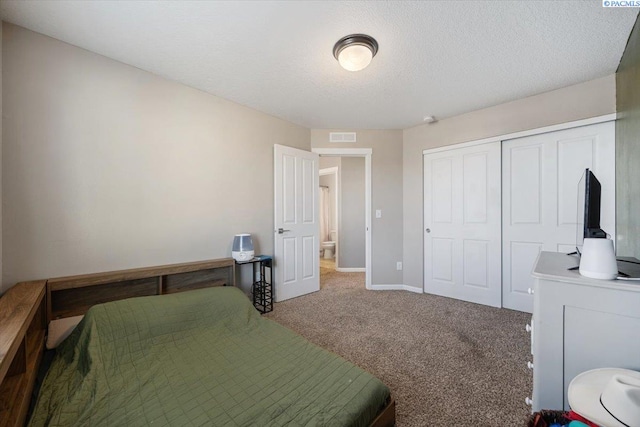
(579, 324)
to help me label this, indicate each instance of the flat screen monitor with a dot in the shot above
(588, 219)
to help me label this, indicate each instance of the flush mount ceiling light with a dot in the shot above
(355, 51)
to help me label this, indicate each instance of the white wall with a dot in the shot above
(589, 99)
(108, 167)
(386, 188)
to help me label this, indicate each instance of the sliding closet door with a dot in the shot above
(540, 188)
(462, 223)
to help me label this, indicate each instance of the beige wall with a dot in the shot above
(329, 162)
(386, 188)
(107, 167)
(628, 148)
(590, 99)
(1, 115)
(351, 237)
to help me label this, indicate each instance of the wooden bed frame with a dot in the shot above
(27, 308)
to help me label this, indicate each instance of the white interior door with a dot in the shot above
(462, 223)
(540, 190)
(296, 225)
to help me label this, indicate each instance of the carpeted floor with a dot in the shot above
(447, 362)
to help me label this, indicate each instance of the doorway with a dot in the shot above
(348, 153)
(329, 207)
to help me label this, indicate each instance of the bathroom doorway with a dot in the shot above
(342, 221)
(360, 200)
(365, 155)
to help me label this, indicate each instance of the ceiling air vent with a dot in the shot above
(342, 137)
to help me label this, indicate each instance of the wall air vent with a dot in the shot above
(342, 137)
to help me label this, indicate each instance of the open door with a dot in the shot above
(296, 225)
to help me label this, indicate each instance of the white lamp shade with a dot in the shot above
(355, 57)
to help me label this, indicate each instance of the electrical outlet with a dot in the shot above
(399, 265)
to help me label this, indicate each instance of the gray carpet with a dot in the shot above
(447, 362)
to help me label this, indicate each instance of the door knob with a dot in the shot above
(428, 230)
(280, 231)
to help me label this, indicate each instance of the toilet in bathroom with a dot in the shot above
(329, 247)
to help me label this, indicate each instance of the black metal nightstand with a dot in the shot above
(262, 289)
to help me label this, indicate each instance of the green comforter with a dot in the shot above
(202, 357)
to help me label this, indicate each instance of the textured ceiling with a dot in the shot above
(436, 58)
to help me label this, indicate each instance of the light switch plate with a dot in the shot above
(378, 213)
(399, 265)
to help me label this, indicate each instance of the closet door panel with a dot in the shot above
(462, 223)
(526, 184)
(522, 255)
(540, 175)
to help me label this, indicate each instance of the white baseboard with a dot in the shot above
(396, 288)
(350, 270)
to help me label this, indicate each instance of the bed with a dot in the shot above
(170, 357)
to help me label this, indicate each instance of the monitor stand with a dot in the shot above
(577, 266)
(630, 260)
(629, 268)
(629, 264)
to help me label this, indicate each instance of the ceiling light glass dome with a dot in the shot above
(355, 51)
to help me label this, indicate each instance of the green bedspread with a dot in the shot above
(202, 357)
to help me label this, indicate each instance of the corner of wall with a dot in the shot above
(627, 147)
(1, 44)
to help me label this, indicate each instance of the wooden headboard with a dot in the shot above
(22, 335)
(74, 295)
(26, 309)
